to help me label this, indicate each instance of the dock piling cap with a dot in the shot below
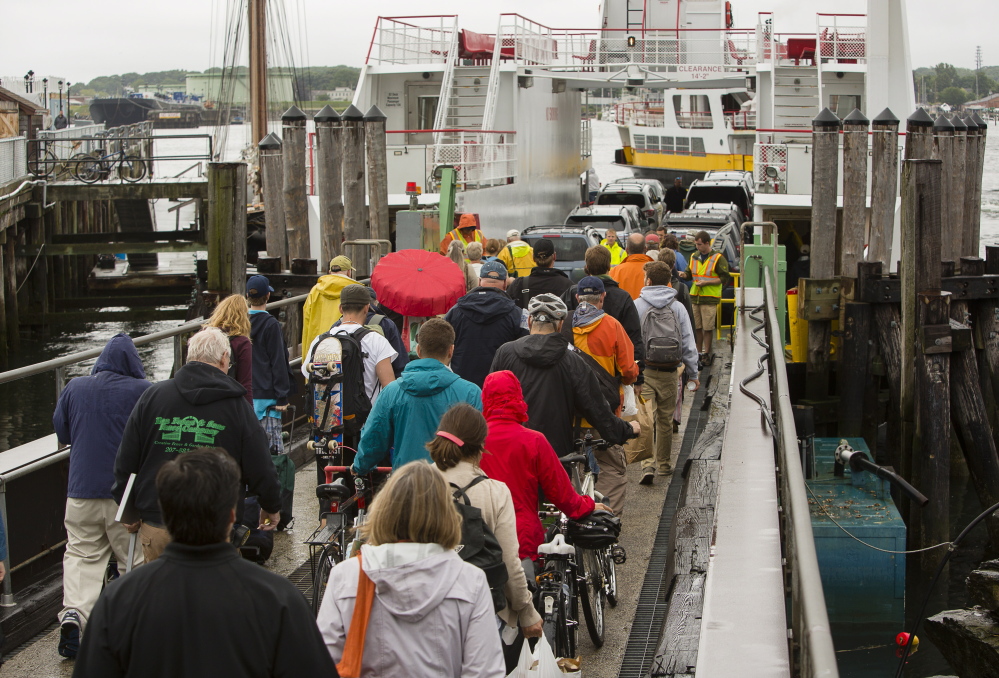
(270, 142)
(353, 114)
(856, 118)
(942, 124)
(327, 114)
(375, 114)
(982, 125)
(293, 114)
(885, 117)
(919, 118)
(826, 119)
(959, 124)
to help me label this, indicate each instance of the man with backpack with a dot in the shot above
(406, 415)
(602, 338)
(544, 277)
(669, 342)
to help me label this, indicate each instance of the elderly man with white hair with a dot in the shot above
(200, 407)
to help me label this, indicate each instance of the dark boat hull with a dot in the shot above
(122, 111)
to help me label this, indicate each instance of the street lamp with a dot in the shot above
(45, 90)
(60, 96)
(29, 81)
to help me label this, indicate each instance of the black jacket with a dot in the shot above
(202, 612)
(271, 378)
(483, 320)
(541, 280)
(199, 407)
(619, 305)
(675, 197)
(559, 388)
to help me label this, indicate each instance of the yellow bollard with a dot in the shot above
(797, 329)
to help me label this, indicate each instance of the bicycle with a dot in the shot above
(91, 167)
(330, 544)
(557, 597)
(41, 160)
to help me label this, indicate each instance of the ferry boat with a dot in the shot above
(163, 111)
(504, 107)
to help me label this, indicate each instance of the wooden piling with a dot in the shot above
(920, 270)
(10, 290)
(355, 211)
(825, 169)
(958, 184)
(374, 142)
(329, 155)
(226, 228)
(884, 187)
(943, 150)
(969, 244)
(854, 232)
(272, 178)
(919, 136)
(976, 220)
(296, 206)
(852, 377)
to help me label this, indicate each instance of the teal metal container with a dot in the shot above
(861, 585)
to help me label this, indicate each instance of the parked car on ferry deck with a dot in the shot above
(642, 196)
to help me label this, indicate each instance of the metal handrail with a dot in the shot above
(810, 629)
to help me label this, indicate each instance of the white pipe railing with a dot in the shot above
(13, 159)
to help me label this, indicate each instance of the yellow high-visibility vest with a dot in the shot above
(706, 283)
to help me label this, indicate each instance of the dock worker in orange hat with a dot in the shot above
(467, 231)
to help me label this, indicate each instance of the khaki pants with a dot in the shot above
(660, 388)
(91, 536)
(612, 481)
(153, 540)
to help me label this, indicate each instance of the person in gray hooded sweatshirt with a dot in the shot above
(431, 613)
(661, 382)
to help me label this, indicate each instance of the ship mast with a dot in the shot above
(258, 70)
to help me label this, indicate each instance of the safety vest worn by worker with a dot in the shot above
(476, 237)
(706, 283)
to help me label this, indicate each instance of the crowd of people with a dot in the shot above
(494, 392)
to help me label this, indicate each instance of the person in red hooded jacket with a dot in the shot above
(525, 462)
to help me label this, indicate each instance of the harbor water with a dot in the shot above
(864, 651)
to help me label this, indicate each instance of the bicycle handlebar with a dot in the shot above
(330, 470)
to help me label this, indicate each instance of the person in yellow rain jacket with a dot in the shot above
(322, 308)
(467, 231)
(709, 272)
(610, 241)
(603, 338)
(518, 256)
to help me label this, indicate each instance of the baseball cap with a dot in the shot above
(513, 233)
(258, 286)
(341, 262)
(544, 248)
(652, 237)
(355, 294)
(590, 285)
(494, 270)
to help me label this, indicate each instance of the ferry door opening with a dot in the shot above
(422, 100)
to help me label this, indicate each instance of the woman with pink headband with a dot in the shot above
(456, 450)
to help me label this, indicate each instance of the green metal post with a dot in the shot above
(448, 190)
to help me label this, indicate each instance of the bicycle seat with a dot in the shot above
(333, 491)
(573, 459)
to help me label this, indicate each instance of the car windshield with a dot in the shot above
(735, 195)
(567, 247)
(636, 199)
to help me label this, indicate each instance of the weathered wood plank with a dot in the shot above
(677, 652)
(701, 487)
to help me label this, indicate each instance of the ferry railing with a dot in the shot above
(841, 38)
(447, 83)
(770, 167)
(585, 138)
(45, 458)
(810, 635)
(492, 85)
(480, 158)
(13, 159)
(413, 39)
(740, 120)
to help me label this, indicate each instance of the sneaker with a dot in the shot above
(69, 635)
(647, 478)
(676, 427)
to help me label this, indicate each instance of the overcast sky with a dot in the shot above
(81, 40)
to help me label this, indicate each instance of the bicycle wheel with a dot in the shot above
(591, 593)
(132, 168)
(42, 165)
(85, 167)
(610, 576)
(329, 557)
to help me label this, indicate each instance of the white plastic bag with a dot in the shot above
(547, 665)
(630, 403)
(523, 669)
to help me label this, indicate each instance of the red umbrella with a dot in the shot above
(417, 283)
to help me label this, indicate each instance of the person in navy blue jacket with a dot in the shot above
(90, 416)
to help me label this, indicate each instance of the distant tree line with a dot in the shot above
(947, 84)
(313, 77)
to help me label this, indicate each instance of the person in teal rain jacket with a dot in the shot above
(405, 416)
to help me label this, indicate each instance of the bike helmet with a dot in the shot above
(598, 530)
(547, 308)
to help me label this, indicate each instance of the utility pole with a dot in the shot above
(978, 67)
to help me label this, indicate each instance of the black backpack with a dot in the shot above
(479, 545)
(354, 401)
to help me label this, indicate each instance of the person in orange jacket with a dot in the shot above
(630, 273)
(467, 231)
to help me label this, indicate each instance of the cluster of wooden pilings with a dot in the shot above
(348, 148)
(929, 332)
